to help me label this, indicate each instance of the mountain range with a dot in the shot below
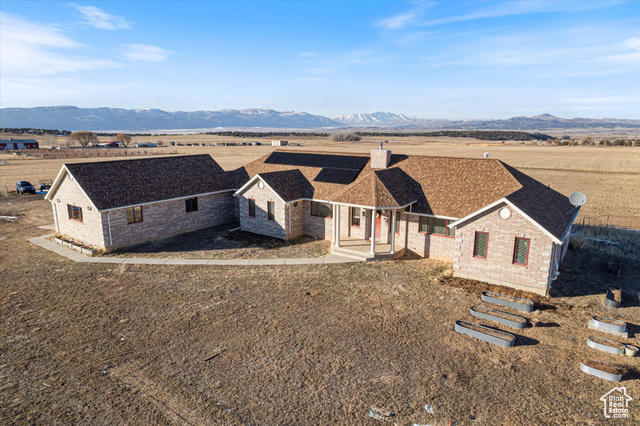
(148, 119)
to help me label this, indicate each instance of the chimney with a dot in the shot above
(380, 158)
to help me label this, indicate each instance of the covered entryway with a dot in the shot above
(377, 222)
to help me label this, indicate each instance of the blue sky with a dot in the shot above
(453, 59)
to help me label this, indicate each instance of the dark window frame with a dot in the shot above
(352, 216)
(313, 203)
(475, 245)
(134, 215)
(251, 202)
(189, 203)
(398, 215)
(72, 215)
(271, 216)
(515, 251)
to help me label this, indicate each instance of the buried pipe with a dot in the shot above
(513, 321)
(525, 305)
(498, 337)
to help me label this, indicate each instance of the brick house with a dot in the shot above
(114, 204)
(491, 221)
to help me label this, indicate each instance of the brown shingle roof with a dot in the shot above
(547, 207)
(289, 184)
(442, 186)
(119, 183)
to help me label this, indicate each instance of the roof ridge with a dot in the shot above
(159, 157)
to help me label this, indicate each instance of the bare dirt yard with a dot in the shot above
(222, 242)
(308, 344)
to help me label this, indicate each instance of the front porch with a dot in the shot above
(361, 249)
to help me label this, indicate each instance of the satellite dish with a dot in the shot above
(577, 198)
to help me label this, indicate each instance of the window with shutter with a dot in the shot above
(521, 251)
(481, 245)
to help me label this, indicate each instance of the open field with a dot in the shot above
(310, 344)
(610, 176)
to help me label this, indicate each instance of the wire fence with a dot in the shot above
(624, 222)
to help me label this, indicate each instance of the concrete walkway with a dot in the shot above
(79, 257)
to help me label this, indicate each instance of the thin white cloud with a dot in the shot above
(29, 49)
(631, 55)
(308, 54)
(146, 53)
(399, 21)
(98, 18)
(511, 8)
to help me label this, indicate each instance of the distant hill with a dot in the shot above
(105, 119)
(148, 119)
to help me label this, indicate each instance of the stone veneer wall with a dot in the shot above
(498, 268)
(167, 218)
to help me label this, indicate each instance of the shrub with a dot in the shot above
(345, 137)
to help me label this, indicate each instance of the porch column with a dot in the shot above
(373, 231)
(337, 225)
(393, 231)
(333, 226)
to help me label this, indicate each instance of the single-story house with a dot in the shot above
(491, 221)
(113, 204)
(19, 144)
(279, 143)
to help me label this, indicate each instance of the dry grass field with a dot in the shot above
(609, 176)
(308, 344)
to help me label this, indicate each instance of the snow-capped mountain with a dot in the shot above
(378, 118)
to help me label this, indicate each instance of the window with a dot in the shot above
(355, 216)
(398, 214)
(191, 204)
(436, 226)
(481, 244)
(423, 224)
(271, 210)
(521, 251)
(134, 214)
(320, 209)
(75, 212)
(252, 207)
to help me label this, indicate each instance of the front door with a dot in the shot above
(378, 223)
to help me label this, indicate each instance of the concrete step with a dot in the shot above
(359, 255)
